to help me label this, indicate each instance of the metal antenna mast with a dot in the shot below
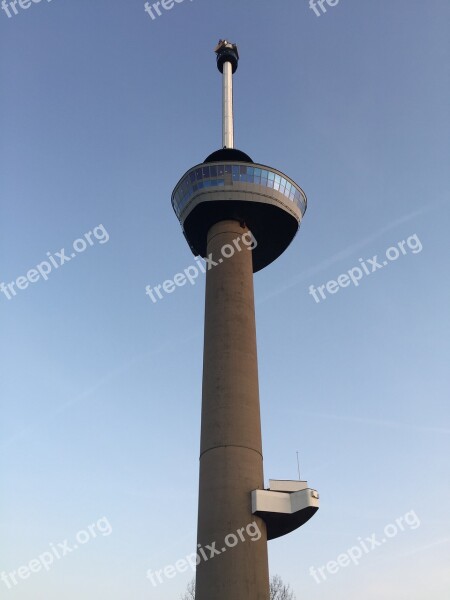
(227, 61)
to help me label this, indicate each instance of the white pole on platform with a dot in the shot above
(228, 125)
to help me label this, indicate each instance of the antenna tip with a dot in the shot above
(226, 52)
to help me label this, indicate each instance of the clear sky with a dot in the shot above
(102, 109)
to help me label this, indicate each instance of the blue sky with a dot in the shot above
(102, 110)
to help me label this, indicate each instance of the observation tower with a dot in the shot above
(252, 211)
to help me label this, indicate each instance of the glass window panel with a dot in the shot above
(258, 172)
(220, 170)
(200, 185)
(257, 179)
(263, 181)
(192, 176)
(277, 178)
(205, 172)
(288, 187)
(228, 169)
(221, 182)
(270, 183)
(243, 170)
(195, 187)
(265, 174)
(271, 176)
(250, 170)
(207, 183)
(198, 174)
(276, 185)
(282, 189)
(213, 171)
(214, 182)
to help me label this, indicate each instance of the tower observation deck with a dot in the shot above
(229, 185)
(227, 197)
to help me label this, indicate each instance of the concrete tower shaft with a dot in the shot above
(231, 448)
(218, 202)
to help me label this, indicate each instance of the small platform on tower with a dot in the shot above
(285, 506)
